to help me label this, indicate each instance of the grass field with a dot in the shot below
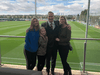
(12, 48)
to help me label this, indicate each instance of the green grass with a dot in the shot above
(12, 48)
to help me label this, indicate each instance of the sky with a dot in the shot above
(59, 7)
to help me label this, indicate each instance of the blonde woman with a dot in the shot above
(31, 44)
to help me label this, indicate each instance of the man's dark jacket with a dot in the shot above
(52, 34)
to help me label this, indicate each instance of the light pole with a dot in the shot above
(35, 10)
(85, 43)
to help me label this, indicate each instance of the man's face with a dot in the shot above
(50, 17)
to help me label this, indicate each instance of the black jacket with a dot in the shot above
(52, 34)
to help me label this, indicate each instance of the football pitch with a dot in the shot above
(12, 48)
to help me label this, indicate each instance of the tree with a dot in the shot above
(78, 16)
(83, 15)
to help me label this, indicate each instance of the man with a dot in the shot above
(51, 29)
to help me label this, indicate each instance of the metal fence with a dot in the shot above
(85, 45)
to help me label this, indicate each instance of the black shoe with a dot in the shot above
(66, 72)
(70, 73)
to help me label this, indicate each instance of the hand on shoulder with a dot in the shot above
(69, 27)
(27, 30)
(31, 27)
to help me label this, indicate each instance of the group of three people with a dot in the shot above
(44, 42)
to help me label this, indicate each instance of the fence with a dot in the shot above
(85, 45)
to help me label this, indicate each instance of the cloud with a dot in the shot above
(95, 6)
(43, 6)
(61, 8)
(16, 7)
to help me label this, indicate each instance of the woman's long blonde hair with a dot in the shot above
(33, 25)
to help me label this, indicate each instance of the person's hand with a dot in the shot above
(57, 39)
(41, 35)
(31, 27)
(69, 27)
(27, 31)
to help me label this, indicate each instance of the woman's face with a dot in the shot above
(35, 22)
(43, 31)
(62, 20)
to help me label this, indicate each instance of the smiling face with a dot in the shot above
(43, 31)
(35, 22)
(62, 20)
(50, 17)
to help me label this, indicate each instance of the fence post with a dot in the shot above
(84, 57)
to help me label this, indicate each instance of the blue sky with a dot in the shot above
(60, 7)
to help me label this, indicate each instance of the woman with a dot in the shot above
(41, 53)
(31, 44)
(63, 39)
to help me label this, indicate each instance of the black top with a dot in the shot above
(64, 35)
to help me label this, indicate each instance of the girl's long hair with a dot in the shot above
(33, 25)
(44, 36)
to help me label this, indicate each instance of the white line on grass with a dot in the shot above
(81, 65)
(92, 64)
(13, 62)
(13, 58)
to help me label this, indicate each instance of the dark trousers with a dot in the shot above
(41, 62)
(30, 59)
(63, 52)
(51, 55)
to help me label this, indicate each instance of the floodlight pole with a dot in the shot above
(35, 9)
(85, 43)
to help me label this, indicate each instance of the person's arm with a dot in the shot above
(67, 39)
(27, 40)
(31, 27)
(27, 30)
